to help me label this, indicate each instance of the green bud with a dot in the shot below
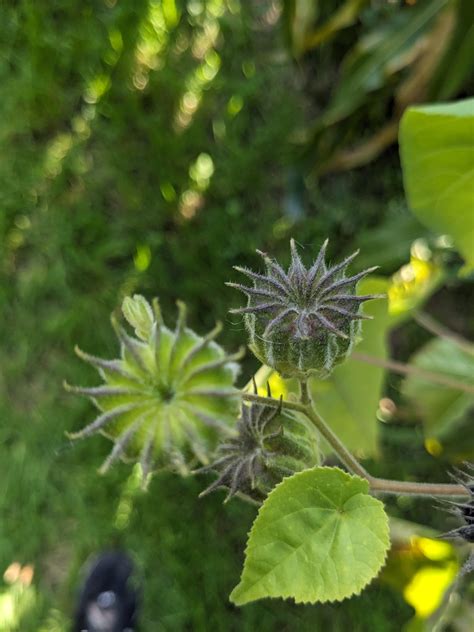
(169, 398)
(306, 319)
(270, 444)
(139, 314)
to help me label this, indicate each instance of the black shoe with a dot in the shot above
(109, 598)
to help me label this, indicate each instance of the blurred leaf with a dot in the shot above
(377, 246)
(437, 151)
(298, 18)
(364, 153)
(423, 61)
(440, 407)
(309, 540)
(345, 16)
(458, 61)
(414, 88)
(459, 446)
(377, 56)
(348, 400)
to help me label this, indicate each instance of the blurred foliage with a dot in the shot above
(437, 150)
(149, 145)
(394, 54)
(441, 407)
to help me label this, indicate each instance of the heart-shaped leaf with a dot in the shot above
(319, 536)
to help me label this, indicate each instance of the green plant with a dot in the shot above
(102, 196)
(319, 534)
(167, 398)
(394, 55)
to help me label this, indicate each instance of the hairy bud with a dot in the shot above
(306, 319)
(169, 397)
(270, 444)
(465, 512)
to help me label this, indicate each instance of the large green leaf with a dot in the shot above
(349, 398)
(319, 536)
(437, 151)
(441, 407)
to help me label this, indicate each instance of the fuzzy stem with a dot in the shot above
(416, 489)
(339, 448)
(434, 327)
(410, 369)
(378, 485)
(304, 393)
(305, 399)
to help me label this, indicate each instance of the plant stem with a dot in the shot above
(379, 485)
(304, 393)
(274, 403)
(416, 489)
(410, 369)
(339, 448)
(434, 327)
(306, 401)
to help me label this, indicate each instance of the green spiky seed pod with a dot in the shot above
(304, 320)
(170, 396)
(271, 443)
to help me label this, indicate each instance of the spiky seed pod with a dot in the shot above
(306, 319)
(464, 511)
(270, 444)
(169, 397)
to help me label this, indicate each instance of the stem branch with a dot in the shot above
(434, 327)
(304, 393)
(416, 489)
(379, 485)
(410, 369)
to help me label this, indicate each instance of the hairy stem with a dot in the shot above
(306, 401)
(378, 485)
(410, 369)
(304, 393)
(434, 327)
(416, 489)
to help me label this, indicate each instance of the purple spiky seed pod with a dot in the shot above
(169, 398)
(271, 443)
(465, 512)
(306, 319)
